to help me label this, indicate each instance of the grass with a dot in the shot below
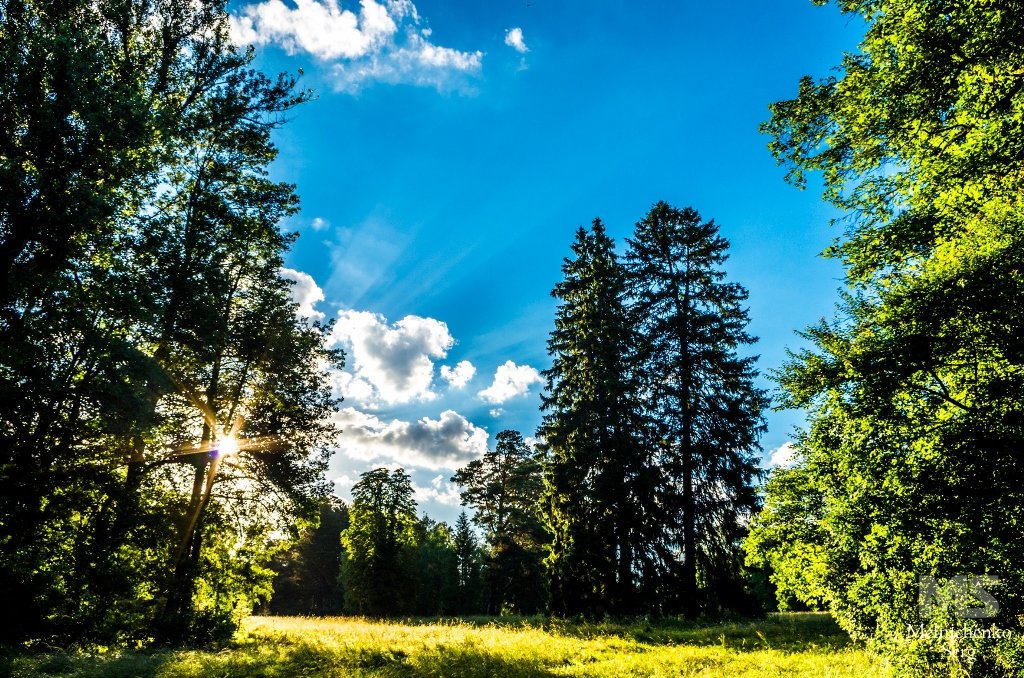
(783, 645)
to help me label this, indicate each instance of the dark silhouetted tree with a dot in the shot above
(700, 395)
(599, 501)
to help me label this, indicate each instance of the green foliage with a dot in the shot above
(470, 563)
(652, 424)
(435, 566)
(306, 576)
(504, 489)
(910, 466)
(143, 320)
(598, 501)
(379, 544)
(699, 393)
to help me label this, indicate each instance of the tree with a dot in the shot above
(909, 465)
(306, 576)
(598, 502)
(504, 488)
(469, 560)
(700, 396)
(143, 322)
(379, 543)
(436, 569)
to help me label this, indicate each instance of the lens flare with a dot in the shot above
(227, 447)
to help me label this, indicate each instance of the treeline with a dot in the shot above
(376, 557)
(637, 497)
(162, 408)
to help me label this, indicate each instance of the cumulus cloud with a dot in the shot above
(782, 456)
(305, 292)
(384, 41)
(448, 442)
(458, 376)
(514, 39)
(439, 491)
(389, 364)
(319, 223)
(510, 381)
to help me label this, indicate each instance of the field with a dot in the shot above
(783, 645)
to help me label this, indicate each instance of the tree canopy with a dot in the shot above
(909, 466)
(144, 326)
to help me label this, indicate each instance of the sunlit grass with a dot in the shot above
(783, 645)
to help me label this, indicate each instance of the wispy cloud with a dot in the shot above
(510, 381)
(383, 42)
(514, 39)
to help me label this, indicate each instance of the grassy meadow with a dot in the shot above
(804, 644)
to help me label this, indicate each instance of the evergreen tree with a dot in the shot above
(469, 559)
(700, 395)
(504, 488)
(599, 501)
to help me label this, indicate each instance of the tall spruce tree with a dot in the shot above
(599, 501)
(699, 391)
(470, 558)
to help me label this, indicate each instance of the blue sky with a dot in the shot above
(454, 147)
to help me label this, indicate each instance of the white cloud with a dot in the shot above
(510, 380)
(305, 292)
(343, 486)
(448, 442)
(389, 364)
(319, 223)
(496, 412)
(439, 491)
(458, 376)
(782, 456)
(383, 42)
(514, 39)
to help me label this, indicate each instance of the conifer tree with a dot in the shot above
(700, 394)
(599, 502)
(469, 558)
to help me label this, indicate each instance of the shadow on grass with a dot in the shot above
(23, 663)
(783, 632)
